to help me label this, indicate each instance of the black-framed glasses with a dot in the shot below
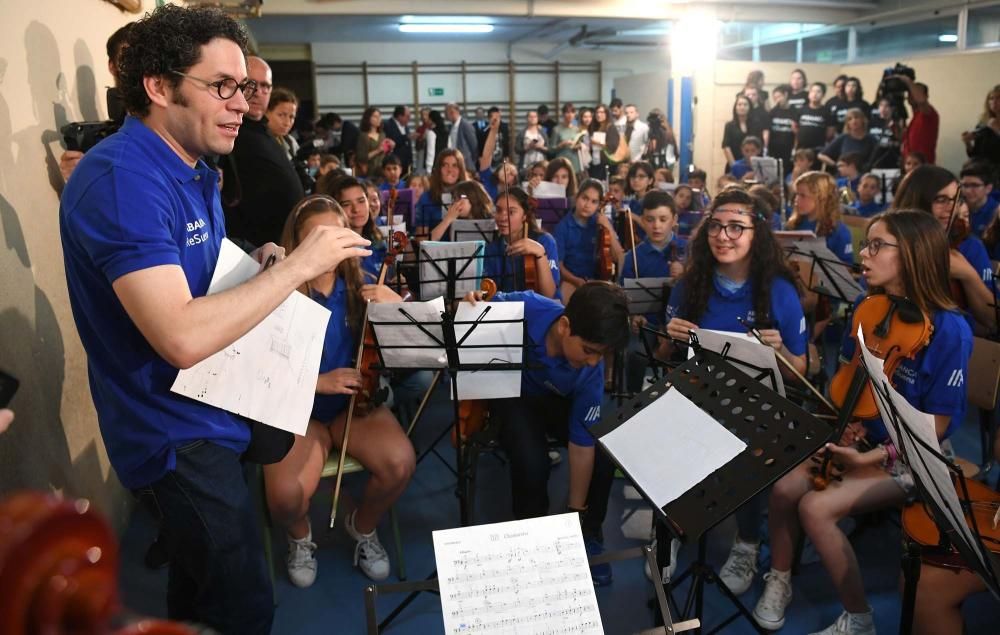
(874, 245)
(733, 230)
(226, 88)
(941, 199)
(972, 186)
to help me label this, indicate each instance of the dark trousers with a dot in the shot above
(218, 576)
(525, 424)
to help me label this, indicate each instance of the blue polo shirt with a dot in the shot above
(132, 204)
(726, 305)
(576, 245)
(508, 271)
(687, 222)
(428, 212)
(653, 263)
(869, 209)
(740, 167)
(839, 241)
(934, 381)
(634, 204)
(982, 217)
(975, 252)
(547, 375)
(338, 347)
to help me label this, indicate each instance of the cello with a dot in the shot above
(980, 507)
(369, 396)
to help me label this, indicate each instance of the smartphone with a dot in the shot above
(8, 386)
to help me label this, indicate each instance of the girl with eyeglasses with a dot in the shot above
(736, 275)
(936, 191)
(905, 254)
(377, 440)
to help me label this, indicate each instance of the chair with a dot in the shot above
(983, 381)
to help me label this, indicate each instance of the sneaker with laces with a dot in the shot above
(301, 561)
(851, 624)
(668, 571)
(770, 609)
(369, 554)
(741, 565)
(599, 573)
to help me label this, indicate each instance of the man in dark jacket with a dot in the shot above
(398, 129)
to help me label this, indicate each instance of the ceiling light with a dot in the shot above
(947, 38)
(446, 28)
(444, 19)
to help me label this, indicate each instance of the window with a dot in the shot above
(778, 52)
(939, 33)
(827, 48)
(984, 27)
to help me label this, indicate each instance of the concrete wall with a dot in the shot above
(53, 70)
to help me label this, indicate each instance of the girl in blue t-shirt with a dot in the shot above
(355, 201)
(470, 201)
(449, 171)
(817, 209)
(576, 238)
(904, 253)
(519, 238)
(377, 440)
(736, 275)
(639, 183)
(935, 190)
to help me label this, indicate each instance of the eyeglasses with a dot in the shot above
(941, 199)
(972, 186)
(226, 88)
(733, 230)
(875, 244)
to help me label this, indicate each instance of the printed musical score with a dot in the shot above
(526, 576)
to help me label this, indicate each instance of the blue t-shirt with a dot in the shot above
(508, 271)
(934, 381)
(338, 347)
(839, 241)
(982, 217)
(428, 212)
(740, 168)
(489, 183)
(133, 204)
(653, 263)
(975, 252)
(386, 186)
(726, 306)
(869, 209)
(577, 245)
(687, 222)
(546, 375)
(843, 181)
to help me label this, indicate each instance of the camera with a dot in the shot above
(894, 89)
(84, 135)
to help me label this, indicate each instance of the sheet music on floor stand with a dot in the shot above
(834, 276)
(450, 269)
(913, 433)
(524, 576)
(464, 229)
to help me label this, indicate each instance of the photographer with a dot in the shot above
(661, 147)
(921, 134)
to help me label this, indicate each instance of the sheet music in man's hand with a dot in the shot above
(525, 576)
(269, 374)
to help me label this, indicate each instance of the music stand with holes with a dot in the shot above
(779, 435)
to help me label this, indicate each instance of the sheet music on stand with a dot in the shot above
(524, 576)
(466, 229)
(745, 353)
(434, 267)
(765, 169)
(489, 333)
(834, 277)
(914, 435)
(409, 333)
(887, 179)
(647, 295)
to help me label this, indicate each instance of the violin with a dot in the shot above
(958, 231)
(894, 329)
(390, 206)
(980, 508)
(605, 263)
(369, 396)
(530, 270)
(472, 413)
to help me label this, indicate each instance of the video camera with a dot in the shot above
(84, 135)
(894, 89)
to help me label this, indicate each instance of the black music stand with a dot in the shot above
(935, 477)
(779, 436)
(645, 292)
(405, 205)
(550, 211)
(451, 270)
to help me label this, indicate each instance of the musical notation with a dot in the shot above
(527, 576)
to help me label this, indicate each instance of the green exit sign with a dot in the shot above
(435, 92)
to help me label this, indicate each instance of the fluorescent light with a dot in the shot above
(446, 28)
(694, 40)
(444, 19)
(947, 38)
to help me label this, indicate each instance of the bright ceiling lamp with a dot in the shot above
(694, 42)
(947, 38)
(445, 24)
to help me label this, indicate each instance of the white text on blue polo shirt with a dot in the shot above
(196, 239)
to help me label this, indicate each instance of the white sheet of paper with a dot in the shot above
(921, 425)
(524, 576)
(670, 446)
(394, 329)
(508, 338)
(473, 229)
(269, 374)
(384, 230)
(745, 348)
(469, 273)
(600, 138)
(642, 295)
(546, 189)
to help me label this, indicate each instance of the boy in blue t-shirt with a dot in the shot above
(751, 148)
(392, 170)
(848, 171)
(868, 189)
(562, 388)
(660, 255)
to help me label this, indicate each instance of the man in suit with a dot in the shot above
(462, 136)
(398, 129)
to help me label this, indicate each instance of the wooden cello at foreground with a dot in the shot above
(59, 571)
(982, 508)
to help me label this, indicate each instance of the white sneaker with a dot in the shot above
(369, 554)
(770, 609)
(741, 566)
(668, 571)
(301, 561)
(851, 624)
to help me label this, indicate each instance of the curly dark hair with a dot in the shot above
(767, 261)
(169, 39)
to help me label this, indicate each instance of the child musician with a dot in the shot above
(470, 201)
(868, 189)
(562, 387)
(660, 255)
(905, 253)
(353, 199)
(392, 171)
(449, 170)
(817, 209)
(377, 440)
(519, 238)
(736, 271)
(576, 239)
